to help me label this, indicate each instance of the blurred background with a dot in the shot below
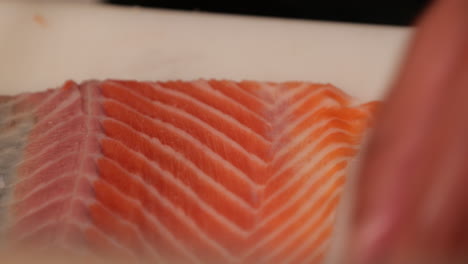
(386, 12)
(383, 12)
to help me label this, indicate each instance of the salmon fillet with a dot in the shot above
(205, 171)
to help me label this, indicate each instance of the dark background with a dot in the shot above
(389, 12)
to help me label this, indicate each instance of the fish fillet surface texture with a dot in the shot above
(205, 171)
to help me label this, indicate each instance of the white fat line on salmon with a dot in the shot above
(73, 97)
(321, 249)
(33, 212)
(278, 93)
(44, 166)
(183, 134)
(36, 141)
(306, 152)
(313, 148)
(60, 245)
(47, 148)
(317, 176)
(287, 100)
(161, 228)
(210, 109)
(31, 174)
(23, 97)
(281, 100)
(265, 93)
(294, 252)
(328, 222)
(284, 145)
(87, 94)
(310, 167)
(305, 226)
(303, 192)
(323, 105)
(305, 208)
(171, 207)
(142, 240)
(38, 188)
(294, 105)
(109, 239)
(198, 121)
(204, 85)
(258, 93)
(262, 101)
(231, 196)
(340, 237)
(202, 124)
(203, 177)
(275, 112)
(47, 118)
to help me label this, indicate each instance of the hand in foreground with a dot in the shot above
(412, 202)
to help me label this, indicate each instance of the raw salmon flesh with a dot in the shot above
(205, 171)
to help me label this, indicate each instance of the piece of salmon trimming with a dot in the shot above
(178, 172)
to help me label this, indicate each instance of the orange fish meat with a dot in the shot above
(205, 171)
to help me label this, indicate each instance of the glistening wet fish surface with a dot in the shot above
(205, 171)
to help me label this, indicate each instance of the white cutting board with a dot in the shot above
(42, 45)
